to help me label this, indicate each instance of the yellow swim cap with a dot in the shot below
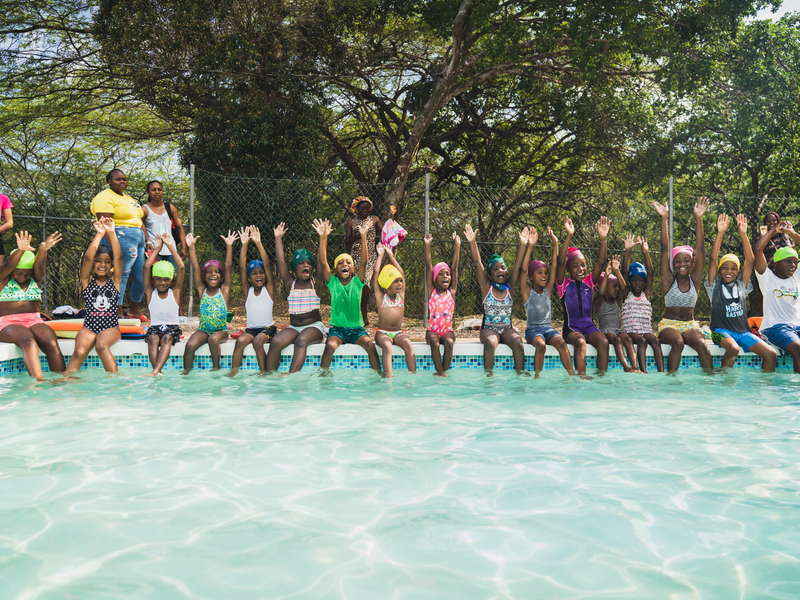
(387, 276)
(730, 258)
(340, 257)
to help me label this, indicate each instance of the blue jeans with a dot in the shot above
(131, 241)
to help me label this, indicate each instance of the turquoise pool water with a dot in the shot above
(356, 487)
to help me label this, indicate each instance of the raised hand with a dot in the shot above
(98, 227)
(108, 224)
(741, 224)
(630, 242)
(468, 233)
(784, 227)
(722, 223)
(380, 249)
(701, 207)
(551, 234)
(230, 238)
(255, 234)
(166, 239)
(428, 239)
(319, 227)
(365, 227)
(280, 230)
(191, 239)
(51, 240)
(456, 239)
(643, 242)
(661, 209)
(533, 236)
(244, 235)
(603, 225)
(616, 261)
(24, 241)
(568, 226)
(524, 236)
(608, 268)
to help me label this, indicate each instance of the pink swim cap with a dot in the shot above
(679, 249)
(437, 268)
(572, 253)
(535, 265)
(212, 263)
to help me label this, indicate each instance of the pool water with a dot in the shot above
(356, 487)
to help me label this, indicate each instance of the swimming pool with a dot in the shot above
(357, 487)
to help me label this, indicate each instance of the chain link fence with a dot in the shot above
(223, 203)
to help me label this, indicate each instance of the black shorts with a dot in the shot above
(160, 331)
(267, 331)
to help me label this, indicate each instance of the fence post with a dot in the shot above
(44, 237)
(427, 231)
(671, 243)
(191, 229)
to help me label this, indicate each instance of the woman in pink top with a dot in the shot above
(8, 222)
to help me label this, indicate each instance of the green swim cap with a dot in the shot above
(27, 260)
(163, 268)
(493, 260)
(301, 255)
(781, 254)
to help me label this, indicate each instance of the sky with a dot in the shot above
(787, 6)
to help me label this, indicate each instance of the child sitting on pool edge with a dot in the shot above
(442, 280)
(390, 293)
(347, 324)
(162, 291)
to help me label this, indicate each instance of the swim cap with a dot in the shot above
(211, 263)
(163, 268)
(493, 260)
(299, 256)
(730, 258)
(254, 264)
(784, 253)
(437, 268)
(573, 253)
(387, 276)
(27, 260)
(679, 249)
(340, 257)
(535, 265)
(637, 269)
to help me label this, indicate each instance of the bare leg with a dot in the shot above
(641, 350)
(312, 335)
(261, 354)
(385, 343)
(794, 350)
(330, 347)
(695, 340)
(197, 339)
(283, 339)
(102, 344)
(84, 342)
(489, 338)
(449, 341)
(629, 349)
(367, 344)
(768, 356)
(23, 338)
(559, 344)
(600, 342)
(403, 341)
(512, 339)
(538, 359)
(215, 341)
(731, 352)
(47, 341)
(658, 355)
(238, 352)
(615, 341)
(432, 338)
(163, 354)
(671, 336)
(578, 342)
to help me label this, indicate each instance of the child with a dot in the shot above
(21, 278)
(637, 312)
(575, 286)
(213, 306)
(781, 288)
(679, 281)
(609, 318)
(442, 280)
(305, 321)
(259, 291)
(497, 325)
(536, 296)
(347, 324)
(101, 276)
(390, 293)
(162, 290)
(728, 292)
(8, 222)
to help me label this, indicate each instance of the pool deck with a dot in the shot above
(468, 354)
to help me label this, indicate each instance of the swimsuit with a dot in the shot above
(676, 298)
(637, 313)
(391, 334)
(159, 331)
(348, 335)
(213, 313)
(302, 301)
(13, 292)
(497, 313)
(441, 308)
(576, 299)
(101, 306)
(163, 317)
(268, 331)
(609, 317)
(24, 319)
(539, 310)
(388, 303)
(258, 309)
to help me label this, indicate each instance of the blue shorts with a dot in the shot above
(544, 331)
(782, 335)
(349, 335)
(745, 340)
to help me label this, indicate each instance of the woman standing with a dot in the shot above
(162, 217)
(362, 207)
(127, 215)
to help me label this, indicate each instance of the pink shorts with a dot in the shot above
(24, 319)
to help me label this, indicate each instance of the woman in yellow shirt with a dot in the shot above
(127, 215)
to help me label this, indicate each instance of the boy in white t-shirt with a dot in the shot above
(781, 288)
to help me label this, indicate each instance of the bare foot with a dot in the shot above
(523, 373)
(438, 374)
(283, 374)
(536, 375)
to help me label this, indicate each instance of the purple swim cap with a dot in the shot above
(535, 265)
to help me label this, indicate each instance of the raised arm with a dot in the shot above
(666, 273)
(480, 272)
(199, 284)
(376, 288)
(551, 278)
(244, 237)
(23, 245)
(147, 271)
(630, 244)
(561, 267)
(280, 256)
(255, 235)
(749, 258)
(524, 287)
(525, 237)
(322, 228)
(111, 236)
(227, 280)
(41, 257)
(603, 226)
(648, 265)
(623, 283)
(722, 227)
(454, 264)
(699, 241)
(428, 263)
(88, 257)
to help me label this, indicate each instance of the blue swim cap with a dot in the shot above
(637, 269)
(254, 264)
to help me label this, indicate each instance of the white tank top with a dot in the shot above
(163, 312)
(259, 308)
(158, 224)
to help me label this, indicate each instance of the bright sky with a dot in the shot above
(787, 6)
